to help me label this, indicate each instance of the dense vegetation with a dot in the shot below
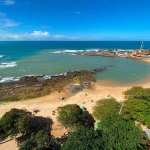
(137, 109)
(84, 139)
(137, 92)
(105, 107)
(122, 134)
(14, 122)
(116, 131)
(137, 105)
(39, 141)
(71, 116)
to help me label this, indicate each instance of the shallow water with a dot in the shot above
(27, 58)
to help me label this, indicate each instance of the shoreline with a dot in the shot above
(36, 86)
(46, 104)
(99, 88)
(140, 55)
(92, 81)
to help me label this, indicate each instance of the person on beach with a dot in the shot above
(53, 112)
(61, 98)
(35, 111)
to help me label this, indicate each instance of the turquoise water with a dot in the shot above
(28, 58)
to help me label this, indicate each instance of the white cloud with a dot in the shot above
(8, 23)
(2, 14)
(7, 2)
(45, 35)
(78, 12)
(65, 37)
(7, 36)
(38, 35)
(58, 36)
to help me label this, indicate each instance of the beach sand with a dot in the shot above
(50, 102)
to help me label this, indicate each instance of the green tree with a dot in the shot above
(137, 92)
(39, 141)
(84, 139)
(122, 134)
(137, 109)
(71, 116)
(104, 107)
(14, 122)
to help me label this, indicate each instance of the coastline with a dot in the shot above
(111, 83)
(46, 104)
(58, 83)
(100, 89)
(36, 86)
(141, 55)
(140, 59)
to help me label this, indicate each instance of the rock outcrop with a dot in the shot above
(34, 86)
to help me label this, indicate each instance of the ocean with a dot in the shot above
(20, 58)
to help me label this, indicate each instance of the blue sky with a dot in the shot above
(75, 20)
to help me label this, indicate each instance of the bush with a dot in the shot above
(84, 139)
(137, 109)
(122, 134)
(71, 116)
(40, 141)
(137, 92)
(105, 107)
(14, 122)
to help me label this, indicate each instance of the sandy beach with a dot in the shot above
(50, 102)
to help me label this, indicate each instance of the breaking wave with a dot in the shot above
(40, 77)
(73, 51)
(6, 65)
(9, 79)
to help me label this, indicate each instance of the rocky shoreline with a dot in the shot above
(141, 55)
(35, 86)
(99, 53)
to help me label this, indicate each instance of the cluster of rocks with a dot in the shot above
(99, 53)
(34, 86)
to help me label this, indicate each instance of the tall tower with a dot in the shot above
(142, 46)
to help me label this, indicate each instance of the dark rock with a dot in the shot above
(28, 87)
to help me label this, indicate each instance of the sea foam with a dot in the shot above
(73, 51)
(57, 52)
(66, 51)
(8, 64)
(9, 79)
(1, 56)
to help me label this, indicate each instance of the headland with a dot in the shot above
(143, 55)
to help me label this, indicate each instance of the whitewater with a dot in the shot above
(19, 59)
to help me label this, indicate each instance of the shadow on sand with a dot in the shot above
(37, 123)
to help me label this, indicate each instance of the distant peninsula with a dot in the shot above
(132, 54)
